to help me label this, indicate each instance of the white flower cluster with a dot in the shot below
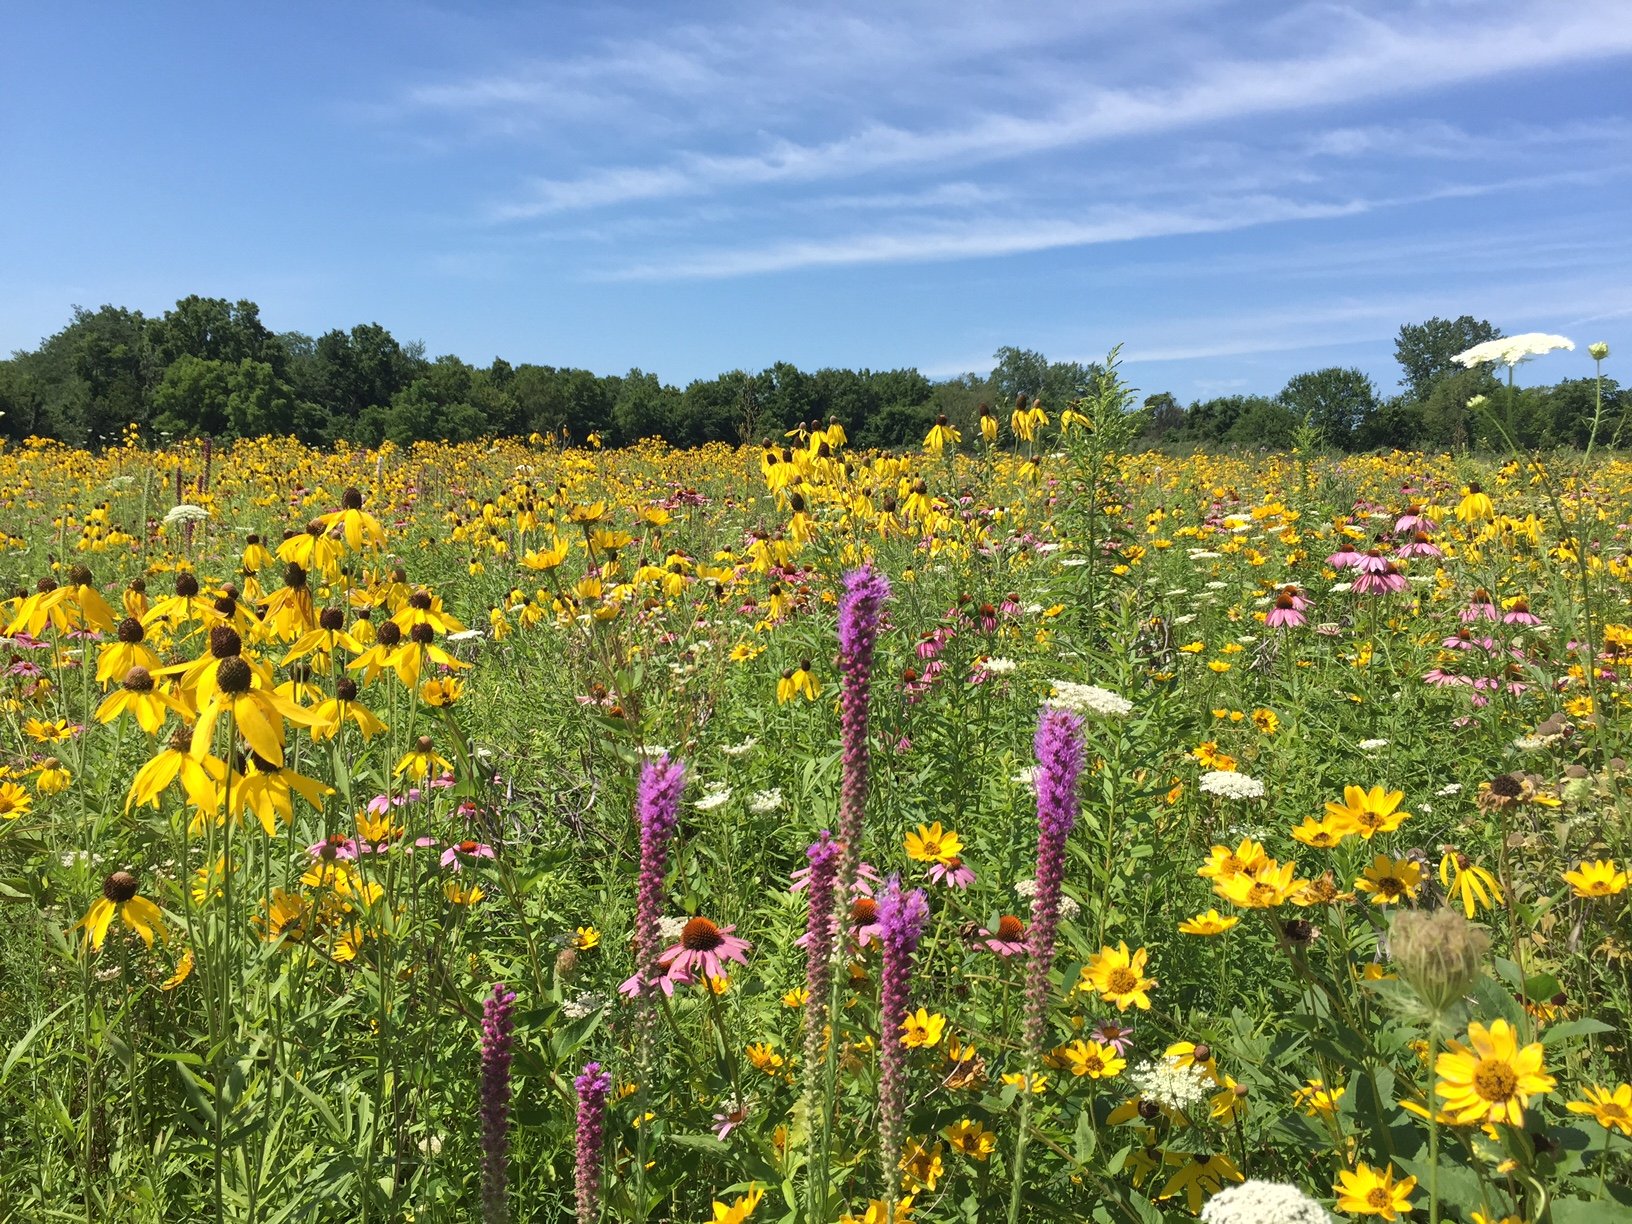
(1167, 1083)
(1026, 890)
(742, 749)
(715, 795)
(1227, 784)
(185, 513)
(668, 929)
(765, 801)
(1371, 745)
(1510, 350)
(1089, 699)
(583, 1005)
(1263, 1202)
(1450, 788)
(999, 666)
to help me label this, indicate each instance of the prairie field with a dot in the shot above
(1018, 829)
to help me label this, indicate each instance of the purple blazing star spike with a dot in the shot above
(821, 930)
(901, 920)
(1058, 746)
(498, 1028)
(657, 808)
(860, 611)
(592, 1086)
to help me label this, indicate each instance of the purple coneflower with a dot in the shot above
(498, 1027)
(953, 872)
(1008, 940)
(704, 948)
(1058, 745)
(1414, 520)
(901, 919)
(1111, 1033)
(1520, 614)
(1387, 581)
(1285, 614)
(456, 855)
(1419, 546)
(1479, 607)
(592, 1086)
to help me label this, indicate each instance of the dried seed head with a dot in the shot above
(1440, 953)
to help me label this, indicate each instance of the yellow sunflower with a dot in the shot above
(1494, 1079)
(1119, 977)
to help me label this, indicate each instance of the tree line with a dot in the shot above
(211, 367)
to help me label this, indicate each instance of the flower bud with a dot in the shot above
(1598, 351)
(1440, 954)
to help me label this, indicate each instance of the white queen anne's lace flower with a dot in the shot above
(1167, 1083)
(715, 796)
(1510, 350)
(1229, 785)
(185, 513)
(765, 801)
(1263, 1202)
(1089, 699)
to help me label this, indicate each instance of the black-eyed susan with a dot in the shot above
(739, 1209)
(121, 899)
(1091, 1059)
(922, 1029)
(1390, 880)
(1599, 878)
(1119, 977)
(1367, 812)
(1466, 881)
(1492, 1078)
(1366, 1191)
(1320, 834)
(1210, 923)
(14, 801)
(1611, 1108)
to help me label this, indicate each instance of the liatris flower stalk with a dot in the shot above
(657, 807)
(1058, 745)
(821, 930)
(592, 1086)
(860, 609)
(901, 919)
(498, 1027)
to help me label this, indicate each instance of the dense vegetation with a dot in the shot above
(210, 367)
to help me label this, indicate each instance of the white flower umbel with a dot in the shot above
(1166, 1083)
(1263, 1202)
(742, 749)
(668, 929)
(1230, 785)
(1510, 350)
(1371, 745)
(715, 796)
(1089, 699)
(185, 513)
(765, 801)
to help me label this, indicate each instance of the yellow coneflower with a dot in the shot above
(325, 641)
(201, 777)
(256, 555)
(941, 434)
(312, 549)
(288, 613)
(268, 791)
(441, 692)
(798, 681)
(258, 714)
(421, 759)
(358, 528)
(128, 650)
(423, 608)
(329, 715)
(1464, 879)
(120, 899)
(141, 698)
(52, 777)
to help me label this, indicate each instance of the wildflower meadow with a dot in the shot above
(1022, 826)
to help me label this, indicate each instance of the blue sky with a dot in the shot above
(1236, 192)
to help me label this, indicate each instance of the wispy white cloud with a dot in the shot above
(1363, 57)
(1015, 235)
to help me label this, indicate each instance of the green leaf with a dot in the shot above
(1573, 1030)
